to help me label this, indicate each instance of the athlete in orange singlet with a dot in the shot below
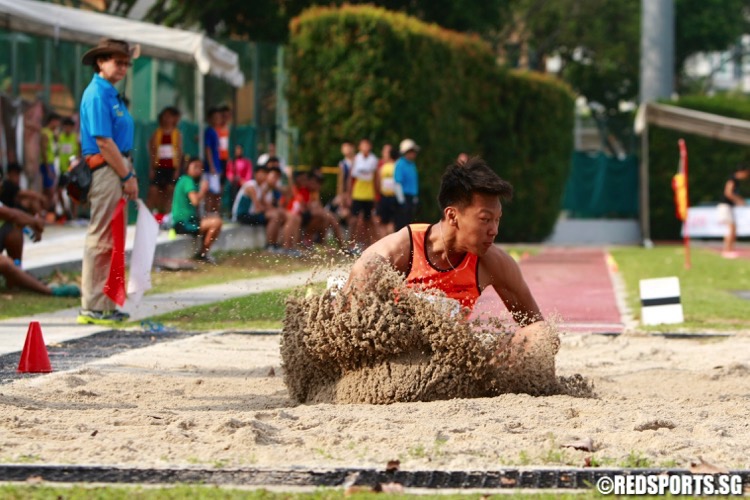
(457, 254)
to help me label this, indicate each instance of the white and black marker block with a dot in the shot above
(660, 301)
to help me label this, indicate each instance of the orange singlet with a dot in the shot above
(461, 283)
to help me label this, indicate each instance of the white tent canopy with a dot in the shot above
(76, 25)
(685, 120)
(690, 121)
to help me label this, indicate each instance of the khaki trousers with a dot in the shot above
(104, 195)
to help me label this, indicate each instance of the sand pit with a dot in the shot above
(388, 343)
(220, 401)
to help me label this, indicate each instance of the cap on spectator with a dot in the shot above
(408, 145)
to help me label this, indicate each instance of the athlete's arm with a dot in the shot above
(393, 249)
(729, 193)
(498, 269)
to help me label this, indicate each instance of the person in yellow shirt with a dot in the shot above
(48, 152)
(68, 147)
(385, 209)
(362, 189)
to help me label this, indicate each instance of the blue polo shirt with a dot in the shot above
(211, 140)
(405, 173)
(103, 114)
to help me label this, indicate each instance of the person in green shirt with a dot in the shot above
(185, 202)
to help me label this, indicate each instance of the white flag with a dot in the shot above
(142, 258)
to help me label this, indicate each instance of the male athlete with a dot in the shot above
(457, 254)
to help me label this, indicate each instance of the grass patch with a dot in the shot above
(22, 303)
(235, 265)
(706, 289)
(256, 311)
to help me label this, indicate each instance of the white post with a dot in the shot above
(199, 117)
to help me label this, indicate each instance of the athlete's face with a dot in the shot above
(477, 224)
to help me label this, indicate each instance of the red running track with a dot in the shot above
(571, 286)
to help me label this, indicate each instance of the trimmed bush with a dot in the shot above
(362, 71)
(710, 162)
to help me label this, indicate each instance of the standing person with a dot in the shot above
(225, 113)
(165, 151)
(342, 202)
(106, 141)
(385, 209)
(406, 183)
(187, 199)
(69, 147)
(213, 169)
(48, 154)
(457, 255)
(362, 189)
(731, 199)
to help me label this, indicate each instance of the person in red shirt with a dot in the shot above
(165, 150)
(239, 170)
(297, 213)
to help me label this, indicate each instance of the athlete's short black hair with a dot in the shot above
(461, 181)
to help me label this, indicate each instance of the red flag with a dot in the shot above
(679, 185)
(115, 286)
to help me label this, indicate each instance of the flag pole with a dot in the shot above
(684, 171)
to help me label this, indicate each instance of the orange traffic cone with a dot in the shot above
(34, 358)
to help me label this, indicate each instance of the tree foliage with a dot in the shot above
(598, 42)
(446, 92)
(268, 20)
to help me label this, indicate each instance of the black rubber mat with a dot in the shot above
(508, 478)
(74, 353)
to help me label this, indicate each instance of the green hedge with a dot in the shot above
(710, 162)
(362, 71)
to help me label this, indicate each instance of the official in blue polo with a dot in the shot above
(106, 142)
(406, 183)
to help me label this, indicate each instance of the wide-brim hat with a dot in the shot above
(108, 47)
(407, 145)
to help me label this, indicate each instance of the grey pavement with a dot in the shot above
(60, 326)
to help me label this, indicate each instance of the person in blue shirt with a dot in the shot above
(406, 184)
(106, 142)
(213, 163)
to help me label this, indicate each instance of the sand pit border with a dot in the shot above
(513, 478)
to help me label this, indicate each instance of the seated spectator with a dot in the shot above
(187, 198)
(298, 215)
(256, 204)
(321, 219)
(12, 196)
(239, 170)
(12, 222)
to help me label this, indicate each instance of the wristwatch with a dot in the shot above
(127, 177)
